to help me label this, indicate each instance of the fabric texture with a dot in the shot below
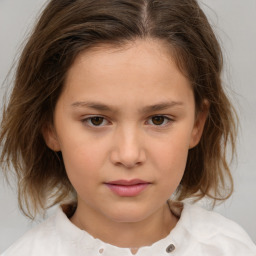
(198, 233)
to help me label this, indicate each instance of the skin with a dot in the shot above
(128, 143)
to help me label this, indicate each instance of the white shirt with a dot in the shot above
(198, 233)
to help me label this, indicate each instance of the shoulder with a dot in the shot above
(40, 240)
(208, 223)
(212, 230)
(29, 242)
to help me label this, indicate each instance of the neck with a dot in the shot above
(126, 234)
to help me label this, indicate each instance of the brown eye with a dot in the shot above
(97, 120)
(159, 120)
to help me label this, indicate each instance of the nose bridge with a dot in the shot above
(128, 149)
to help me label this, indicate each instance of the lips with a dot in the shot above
(127, 188)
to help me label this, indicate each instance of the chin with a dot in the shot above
(128, 215)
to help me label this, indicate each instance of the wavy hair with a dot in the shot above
(68, 27)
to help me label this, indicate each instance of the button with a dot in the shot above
(101, 250)
(170, 248)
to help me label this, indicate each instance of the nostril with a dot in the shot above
(127, 157)
(131, 164)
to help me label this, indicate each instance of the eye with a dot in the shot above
(95, 121)
(159, 120)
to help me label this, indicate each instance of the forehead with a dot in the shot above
(141, 52)
(140, 70)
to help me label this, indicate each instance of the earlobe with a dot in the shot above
(50, 137)
(198, 128)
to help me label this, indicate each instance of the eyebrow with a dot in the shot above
(147, 109)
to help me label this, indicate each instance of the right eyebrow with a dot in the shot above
(93, 105)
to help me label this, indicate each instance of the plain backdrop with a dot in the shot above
(234, 22)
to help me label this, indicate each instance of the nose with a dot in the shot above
(128, 150)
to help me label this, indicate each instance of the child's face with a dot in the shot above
(125, 115)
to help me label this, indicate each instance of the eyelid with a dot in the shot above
(168, 118)
(87, 118)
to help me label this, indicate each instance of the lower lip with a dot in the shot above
(128, 190)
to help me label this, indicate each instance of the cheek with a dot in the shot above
(172, 150)
(82, 167)
(170, 157)
(81, 152)
(82, 161)
(172, 170)
(172, 162)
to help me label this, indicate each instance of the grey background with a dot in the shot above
(234, 22)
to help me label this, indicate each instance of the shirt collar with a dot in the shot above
(82, 240)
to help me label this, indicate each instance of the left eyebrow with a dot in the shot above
(147, 109)
(160, 106)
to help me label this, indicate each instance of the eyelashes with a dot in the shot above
(95, 121)
(160, 120)
(100, 121)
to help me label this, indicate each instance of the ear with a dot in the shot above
(50, 137)
(198, 128)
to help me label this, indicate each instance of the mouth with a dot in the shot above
(127, 188)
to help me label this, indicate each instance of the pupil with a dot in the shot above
(97, 120)
(158, 120)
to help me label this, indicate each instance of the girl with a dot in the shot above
(117, 106)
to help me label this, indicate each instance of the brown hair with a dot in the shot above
(68, 27)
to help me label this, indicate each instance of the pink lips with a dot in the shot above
(127, 188)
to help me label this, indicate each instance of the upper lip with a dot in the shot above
(127, 182)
